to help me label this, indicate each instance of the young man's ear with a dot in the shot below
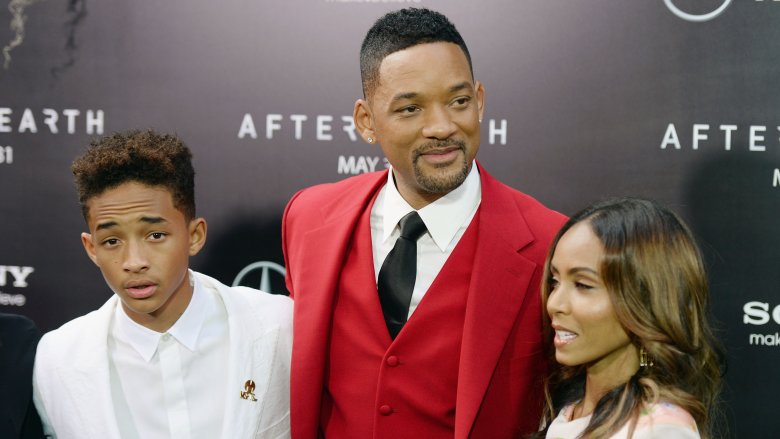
(197, 230)
(89, 246)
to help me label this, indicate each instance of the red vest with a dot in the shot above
(379, 388)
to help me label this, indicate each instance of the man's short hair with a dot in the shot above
(400, 30)
(145, 157)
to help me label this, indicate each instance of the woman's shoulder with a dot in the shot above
(661, 420)
(665, 420)
(664, 412)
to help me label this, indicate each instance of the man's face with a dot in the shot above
(425, 114)
(142, 245)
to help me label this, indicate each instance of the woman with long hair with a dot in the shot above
(626, 302)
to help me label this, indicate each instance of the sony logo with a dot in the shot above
(18, 275)
(757, 313)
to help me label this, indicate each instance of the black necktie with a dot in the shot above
(396, 278)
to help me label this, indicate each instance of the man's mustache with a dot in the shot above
(439, 144)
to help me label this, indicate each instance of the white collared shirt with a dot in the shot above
(171, 385)
(446, 219)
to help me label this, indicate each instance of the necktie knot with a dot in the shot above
(412, 226)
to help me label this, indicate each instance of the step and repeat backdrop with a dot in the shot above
(677, 100)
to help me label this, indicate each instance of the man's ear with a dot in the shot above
(364, 121)
(197, 230)
(89, 246)
(480, 89)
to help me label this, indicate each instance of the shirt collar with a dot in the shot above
(443, 217)
(185, 330)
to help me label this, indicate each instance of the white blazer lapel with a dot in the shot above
(257, 403)
(86, 382)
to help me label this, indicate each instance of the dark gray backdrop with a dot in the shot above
(588, 100)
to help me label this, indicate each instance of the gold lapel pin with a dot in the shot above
(248, 392)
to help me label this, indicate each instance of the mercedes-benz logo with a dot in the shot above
(696, 17)
(265, 275)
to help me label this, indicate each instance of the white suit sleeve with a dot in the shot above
(38, 398)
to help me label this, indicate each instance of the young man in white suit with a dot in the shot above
(173, 353)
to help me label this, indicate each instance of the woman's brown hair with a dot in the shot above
(657, 283)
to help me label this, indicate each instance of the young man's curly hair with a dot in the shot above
(146, 157)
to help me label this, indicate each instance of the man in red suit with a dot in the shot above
(430, 328)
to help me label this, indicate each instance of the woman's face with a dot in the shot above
(587, 331)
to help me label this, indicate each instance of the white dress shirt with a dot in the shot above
(446, 219)
(171, 385)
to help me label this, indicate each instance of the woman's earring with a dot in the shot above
(645, 359)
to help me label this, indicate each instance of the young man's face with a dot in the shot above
(142, 245)
(425, 114)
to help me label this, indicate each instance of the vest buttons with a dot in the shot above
(392, 361)
(385, 410)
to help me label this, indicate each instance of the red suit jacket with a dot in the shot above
(502, 363)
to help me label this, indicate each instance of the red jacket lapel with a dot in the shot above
(318, 257)
(498, 287)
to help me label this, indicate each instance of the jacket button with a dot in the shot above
(392, 361)
(385, 410)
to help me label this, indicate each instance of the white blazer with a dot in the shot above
(71, 383)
